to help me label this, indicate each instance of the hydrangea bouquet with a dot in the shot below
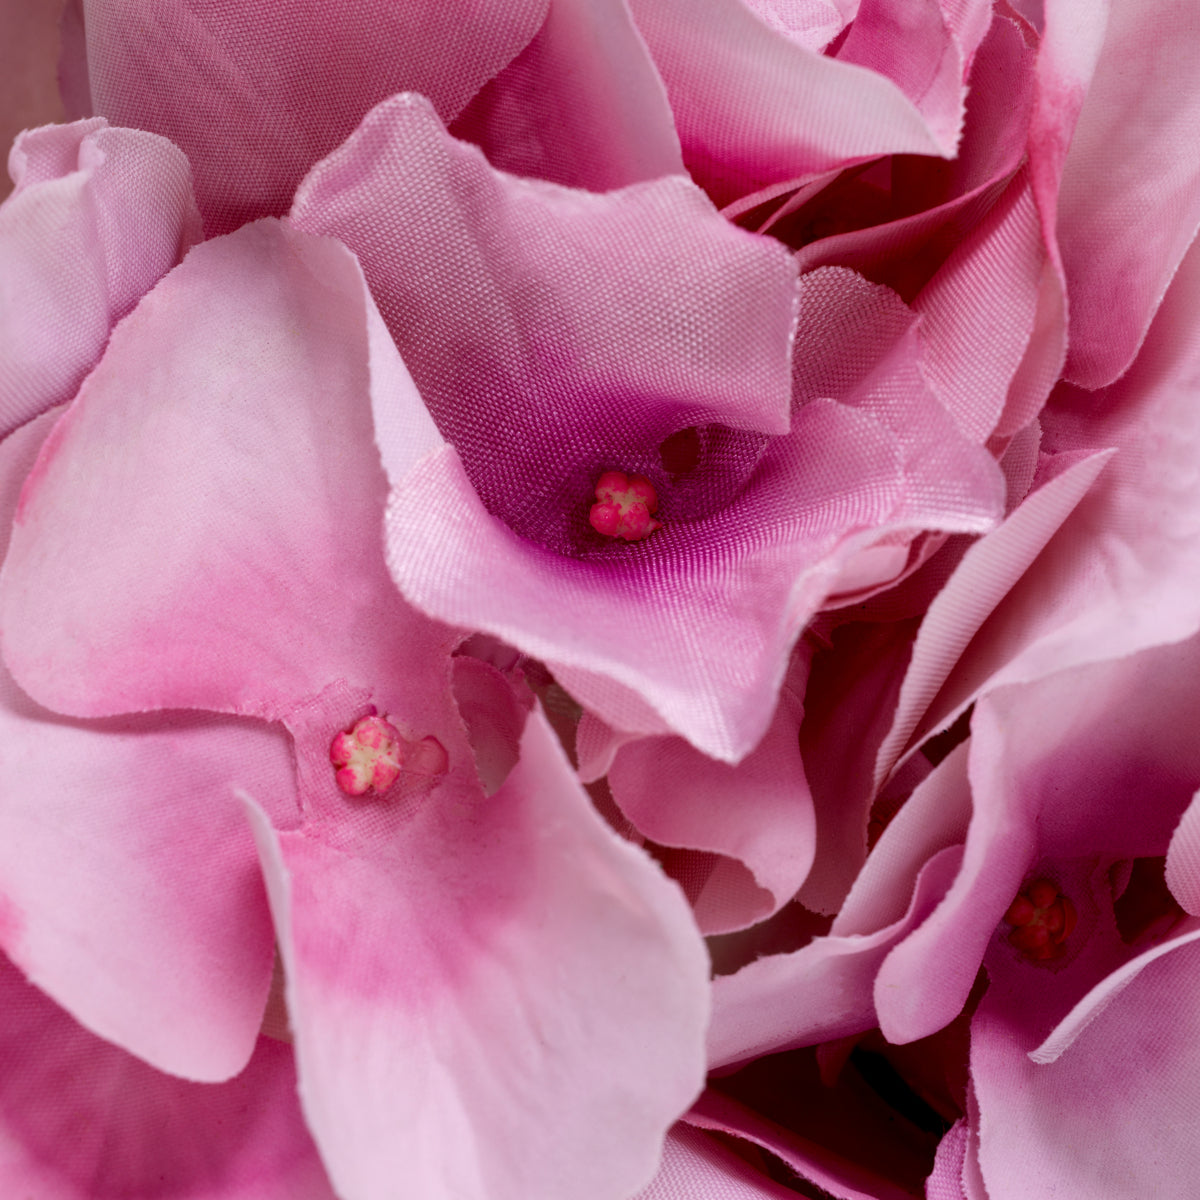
(600, 599)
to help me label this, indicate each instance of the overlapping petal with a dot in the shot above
(255, 95)
(97, 217)
(471, 970)
(82, 1120)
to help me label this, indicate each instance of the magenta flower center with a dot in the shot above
(1042, 919)
(624, 507)
(368, 756)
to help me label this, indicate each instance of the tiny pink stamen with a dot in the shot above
(368, 756)
(1042, 919)
(623, 508)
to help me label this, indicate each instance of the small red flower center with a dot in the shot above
(1042, 919)
(623, 508)
(368, 756)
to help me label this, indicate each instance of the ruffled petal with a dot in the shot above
(501, 998)
(97, 217)
(255, 95)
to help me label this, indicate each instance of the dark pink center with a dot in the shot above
(1042, 919)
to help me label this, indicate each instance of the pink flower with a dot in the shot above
(465, 972)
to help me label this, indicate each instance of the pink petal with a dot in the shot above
(1183, 860)
(97, 217)
(82, 1120)
(111, 838)
(758, 813)
(730, 76)
(820, 992)
(1104, 1118)
(500, 998)
(1116, 733)
(1123, 571)
(988, 571)
(978, 312)
(946, 1182)
(695, 1165)
(1129, 206)
(581, 105)
(223, 551)
(255, 95)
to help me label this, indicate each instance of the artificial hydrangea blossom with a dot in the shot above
(462, 968)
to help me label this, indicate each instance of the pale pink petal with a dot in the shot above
(897, 221)
(822, 991)
(946, 1182)
(581, 105)
(978, 312)
(755, 107)
(758, 813)
(1110, 1116)
(82, 1120)
(911, 43)
(695, 1165)
(499, 999)
(128, 885)
(1114, 733)
(988, 571)
(97, 217)
(1123, 570)
(222, 550)
(256, 94)
(1129, 204)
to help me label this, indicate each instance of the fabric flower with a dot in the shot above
(459, 966)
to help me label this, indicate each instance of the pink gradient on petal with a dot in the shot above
(493, 973)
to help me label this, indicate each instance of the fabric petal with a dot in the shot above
(1130, 154)
(695, 1164)
(255, 95)
(1062, 1127)
(730, 76)
(97, 217)
(82, 1120)
(758, 813)
(223, 551)
(499, 999)
(581, 105)
(129, 887)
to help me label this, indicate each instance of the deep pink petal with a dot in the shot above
(495, 997)
(756, 107)
(255, 95)
(97, 217)
(82, 1120)
(1129, 204)
(758, 813)
(581, 105)
(223, 551)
